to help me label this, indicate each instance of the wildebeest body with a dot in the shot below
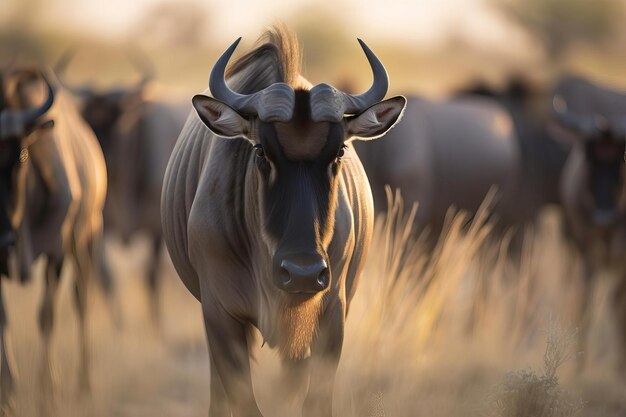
(448, 153)
(54, 194)
(137, 136)
(593, 187)
(543, 151)
(269, 224)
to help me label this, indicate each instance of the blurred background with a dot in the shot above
(477, 335)
(428, 46)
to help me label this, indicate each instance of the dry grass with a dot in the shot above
(441, 338)
(526, 394)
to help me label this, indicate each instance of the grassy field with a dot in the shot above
(470, 333)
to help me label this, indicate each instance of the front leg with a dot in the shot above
(152, 280)
(584, 314)
(325, 355)
(230, 364)
(46, 324)
(6, 377)
(619, 306)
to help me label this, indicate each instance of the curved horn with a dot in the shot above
(64, 61)
(330, 104)
(272, 104)
(61, 67)
(143, 65)
(378, 90)
(14, 123)
(10, 66)
(217, 83)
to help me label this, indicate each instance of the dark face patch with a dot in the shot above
(298, 197)
(606, 171)
(102, 112)
(298, 164)
(9, 162)
(299, 185)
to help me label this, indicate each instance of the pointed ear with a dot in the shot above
(376, 120)
(221, 118)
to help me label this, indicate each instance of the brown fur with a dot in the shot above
(297, 326)
(304, 142)
(59, 194)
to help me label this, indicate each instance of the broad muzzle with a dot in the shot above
(302, 274)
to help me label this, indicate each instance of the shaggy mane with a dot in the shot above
(278, 58)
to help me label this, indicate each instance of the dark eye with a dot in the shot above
(341, 152)
(261, 161)
(258, 150)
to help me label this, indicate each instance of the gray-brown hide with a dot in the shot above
(448, 153)
(543, 151)
(137, 152)
(137, 136)
(593, 183)
(53, 190)
(268, 217)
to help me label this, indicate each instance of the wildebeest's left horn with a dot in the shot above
(272, 104)
(14, 123)
(329, 104)
(144, 66)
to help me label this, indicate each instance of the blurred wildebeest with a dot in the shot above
(137, 136)
(593, 184)
(543, 152)
(268, 216)
(52, 191)
(450, 153)
(447, 153)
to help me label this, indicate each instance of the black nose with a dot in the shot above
(303, 273)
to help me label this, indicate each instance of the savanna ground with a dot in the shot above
(470, 334)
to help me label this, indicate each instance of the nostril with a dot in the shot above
(322, 278)
(285, 276)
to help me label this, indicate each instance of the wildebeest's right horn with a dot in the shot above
(14, 123)
(61, 67)
(329, 104)
(272, 104)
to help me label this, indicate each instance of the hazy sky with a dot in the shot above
(422, 21)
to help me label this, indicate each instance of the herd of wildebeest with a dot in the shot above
(265, 205)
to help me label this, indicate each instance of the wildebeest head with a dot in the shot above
(102, 109)
(297, 138)
(597, 116)
(15, 128)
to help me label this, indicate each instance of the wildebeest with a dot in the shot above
(52, 190)
(447, 153)
(450, 153)
(267, 215)
(137, 136)
(543, 151)
(593, 184)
